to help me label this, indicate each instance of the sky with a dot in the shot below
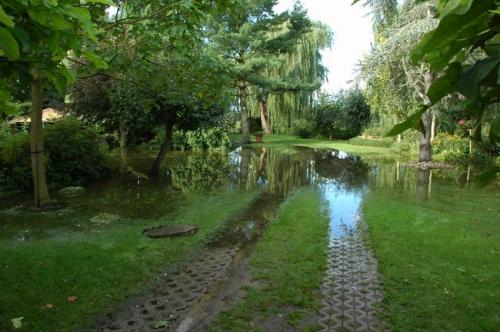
(353, 35)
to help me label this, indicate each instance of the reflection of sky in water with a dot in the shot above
(343, 206)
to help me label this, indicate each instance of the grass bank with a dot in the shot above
(286, 268)
(99, 267)
(439, 260)
(373, 152)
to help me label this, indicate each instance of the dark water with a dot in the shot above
(343, 180)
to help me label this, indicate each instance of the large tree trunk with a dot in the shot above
(264, 117)
(165, 147)
(433, 126)
(425, 152)
(41, 192)
(245, 126)
(123, 145)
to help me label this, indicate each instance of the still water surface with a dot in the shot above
(342, 180)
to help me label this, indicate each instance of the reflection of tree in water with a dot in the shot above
(347, 170)
(424, 181)
(287, 170)
(202, 170)
(392, 175)
(280, 171)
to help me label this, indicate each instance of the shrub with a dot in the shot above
(73, 156)
(342, 116)
(302, 128)
(15, 163)
(74, 152)
(203, 139)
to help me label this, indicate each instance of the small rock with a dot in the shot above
(70, 192)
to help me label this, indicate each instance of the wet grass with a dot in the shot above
(439, 260)
(101, 267)
(366, 151)
(286, 268)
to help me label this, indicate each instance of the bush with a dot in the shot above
(73, 156)
(74, 153)
(202, 139)
(15, 163)
(342, 116)
(302, 128)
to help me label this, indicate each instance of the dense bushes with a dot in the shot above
(72, 150)
(302, 128)
(342, 116)
(15, 163)
(214, 138)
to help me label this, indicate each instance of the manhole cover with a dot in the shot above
(170, 231)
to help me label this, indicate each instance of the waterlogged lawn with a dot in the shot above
(373, 152)
(288, 266)
(61, 282)
(439, 260)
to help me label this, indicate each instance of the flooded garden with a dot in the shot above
(88, 266)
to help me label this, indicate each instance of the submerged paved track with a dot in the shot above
(351, 292)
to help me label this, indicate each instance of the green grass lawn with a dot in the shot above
(367, 151)
(288, 263)
(100, 267)
(440, 260)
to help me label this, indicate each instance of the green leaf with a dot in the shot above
(49, 19)
(5, 19)
(445, 85)
(17, 322)
(9, 44)
(413, 122)
(451, 24)
(471, 78)
(96, 60)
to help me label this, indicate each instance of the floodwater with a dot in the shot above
(342, 179)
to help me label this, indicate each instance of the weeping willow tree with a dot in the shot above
(294, 78)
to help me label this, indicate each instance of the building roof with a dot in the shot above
(48, 115)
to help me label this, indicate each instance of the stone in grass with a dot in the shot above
(105, 218)
(170, 231)
(73, 191)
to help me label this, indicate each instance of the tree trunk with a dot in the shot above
(264, 117)
(123, 145)
(41, 192)
(433, 126)
(165, 147)
(425, 153)
(245, 126)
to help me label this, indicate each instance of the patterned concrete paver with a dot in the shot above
(351, 292)
(172, 295)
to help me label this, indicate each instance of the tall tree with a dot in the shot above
(243, 41)
(407, 82)
(294, 78)
(35, 39)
